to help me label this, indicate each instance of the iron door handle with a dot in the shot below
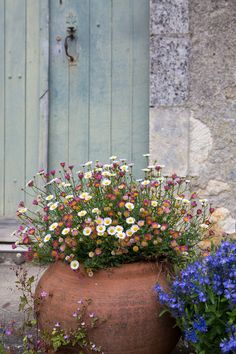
(69, 37)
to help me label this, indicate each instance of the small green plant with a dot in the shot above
(36, 341)
(2, 350)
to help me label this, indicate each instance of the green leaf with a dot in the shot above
(163, 312)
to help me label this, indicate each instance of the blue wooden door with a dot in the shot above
(52, 109)
(99, 102)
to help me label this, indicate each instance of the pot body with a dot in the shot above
(123, 297)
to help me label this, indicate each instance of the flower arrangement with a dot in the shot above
(203, 299)
(102, 217)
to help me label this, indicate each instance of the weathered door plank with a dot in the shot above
(15, 23)
(32, 90)
(79, 81)
(59, 85)
(2, 106)
(122, 76)
(140, 114)
(43, 84)
(100, 80)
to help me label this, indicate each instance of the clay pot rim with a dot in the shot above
(133, 268)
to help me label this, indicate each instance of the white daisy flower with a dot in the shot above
(106, 174)
(49, 197)
(101, 229)
(178, 198)
(160, 179)
(154, 203)
(119, 228)
(22, 210)
(89, 163)
(99, 221)
(121, 235)
(145, 182)
(96, 211)
(50, 182)
(145, 170)
(82, 213)
(135, 228)
(74, 265)
(129, 232)
(88, 198)
(53, 226)
(129, 206)
(69, 196)
(88, 175)
(107, 221)
(106, 182)
(47, 238)
(53, 206)
(203, 201)
(130, 220)
(185, 201)
(87, 231)
(65, 231)
(124, 168)
(204, 226)
(111, 230)
(84, 195)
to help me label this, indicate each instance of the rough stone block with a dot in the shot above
(201, 143)
(169, 136)
(169, 16)
(169, 70)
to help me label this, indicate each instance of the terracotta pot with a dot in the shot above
(124, 297)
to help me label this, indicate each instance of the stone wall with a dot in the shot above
(193, 96)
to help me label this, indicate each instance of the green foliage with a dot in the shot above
(2, 350)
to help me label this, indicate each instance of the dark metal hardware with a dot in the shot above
(69, 37)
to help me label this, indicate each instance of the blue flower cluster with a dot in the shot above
(229, 345)
(203, 298)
